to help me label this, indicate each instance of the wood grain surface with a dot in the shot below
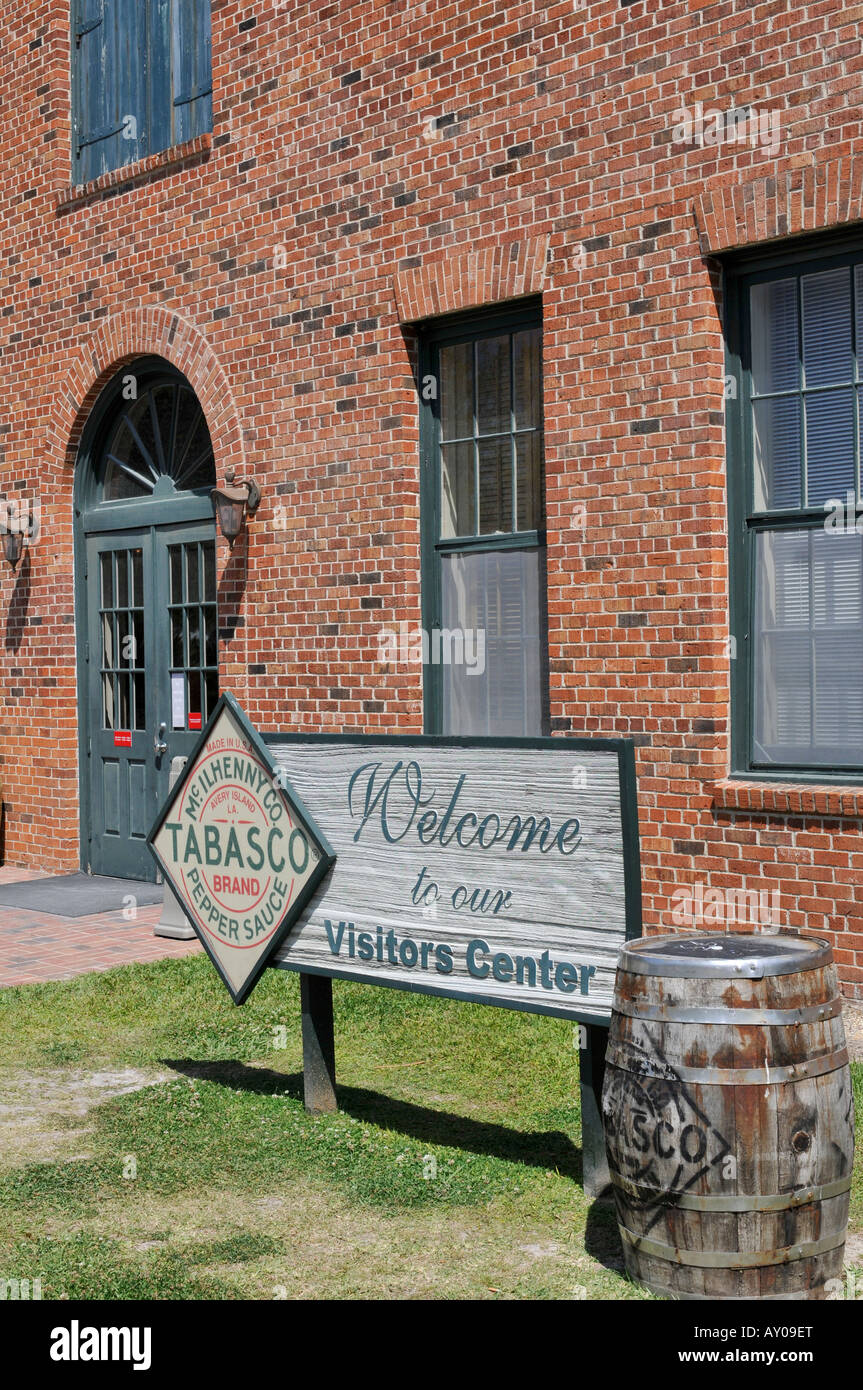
(555, 904)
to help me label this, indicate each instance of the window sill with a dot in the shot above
(788, 798)
(130, 175)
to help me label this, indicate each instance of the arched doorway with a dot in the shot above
(146, 606)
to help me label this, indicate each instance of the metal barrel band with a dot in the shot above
(670, 1013)
(732, 1076)
(732, 1259)
(693, 1296)
(771, 1201)
(634, 963)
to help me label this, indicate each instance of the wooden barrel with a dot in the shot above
(729, 1117)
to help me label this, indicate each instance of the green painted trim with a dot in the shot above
(804, 255)
(119, 516)
(514, 540)
(784, 773)
(631, 838)
(559, 743)
(92, 518)
(483, 323)
(457, 328)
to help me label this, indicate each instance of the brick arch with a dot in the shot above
(146, 332)
(472, 278)
(811, 197)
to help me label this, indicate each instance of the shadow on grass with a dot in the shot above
(550, 1149)
(601, 1237)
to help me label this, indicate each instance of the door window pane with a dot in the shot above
(193, 627)
(194, 633)
(192, 589)
(209, 571)
(122, 631)
(138, 578)
(177, 655)
(194, 689)
(122, 579)
(106, 562)
(176, 565)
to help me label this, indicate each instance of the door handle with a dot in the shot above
(159, 744)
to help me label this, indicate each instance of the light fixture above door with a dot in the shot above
(231, 503)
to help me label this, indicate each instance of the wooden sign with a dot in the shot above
(500, 871)
(239, 848)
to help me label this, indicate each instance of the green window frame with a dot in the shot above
(482, 517)
(141, 80)
(794, 359)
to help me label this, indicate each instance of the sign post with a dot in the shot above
(500, 871)
(319, 1048)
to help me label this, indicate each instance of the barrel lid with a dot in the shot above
(724, 955)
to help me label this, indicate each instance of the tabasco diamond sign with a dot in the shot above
(240, 850)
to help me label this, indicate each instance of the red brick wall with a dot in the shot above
(272, 264)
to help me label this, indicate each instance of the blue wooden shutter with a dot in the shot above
(127, 25)
(191, 69)
(90, 88)
(108, 55)
(160, 134)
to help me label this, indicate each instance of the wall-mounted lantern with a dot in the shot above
(18, 524)
(232, 502)
(13, 547)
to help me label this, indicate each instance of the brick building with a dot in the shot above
(534, 321)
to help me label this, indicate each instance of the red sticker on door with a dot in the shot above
(194, 721)
(122, 739)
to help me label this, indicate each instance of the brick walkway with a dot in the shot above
(37, 946)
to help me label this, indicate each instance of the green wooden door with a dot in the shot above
(152, 675)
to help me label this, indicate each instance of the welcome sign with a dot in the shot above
(501, 871)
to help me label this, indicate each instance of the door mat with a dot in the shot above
(79, 895)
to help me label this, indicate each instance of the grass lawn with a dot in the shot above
(153, 1144)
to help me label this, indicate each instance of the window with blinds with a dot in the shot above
(797, 553)
(141, 80)
(484, 586)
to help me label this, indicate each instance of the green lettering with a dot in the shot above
(233, 850)
(211, 844)
(256, 849)
(276, 867)
(191, 850)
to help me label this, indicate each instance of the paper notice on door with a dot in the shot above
(178, 701)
